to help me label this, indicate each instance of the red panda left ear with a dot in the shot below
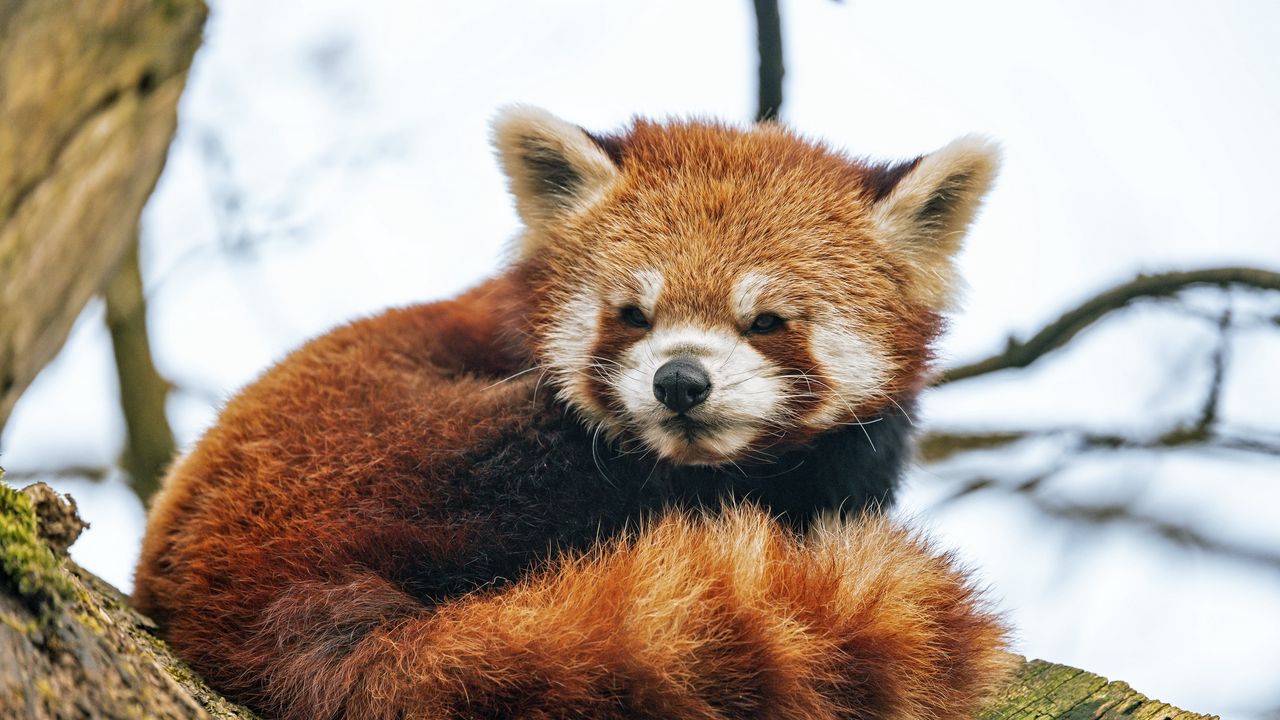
(554, 167)
(925, 215)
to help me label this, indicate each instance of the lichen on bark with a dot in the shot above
(70, 645)
(30, 567)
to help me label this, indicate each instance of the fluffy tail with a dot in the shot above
(729, 617)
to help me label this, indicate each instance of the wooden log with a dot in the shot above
(1042, 689)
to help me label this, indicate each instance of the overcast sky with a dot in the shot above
(332, 159)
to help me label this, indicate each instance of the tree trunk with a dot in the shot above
(70, 646)
(88, 98)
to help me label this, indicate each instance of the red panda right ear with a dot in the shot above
(922, 210)
(554, 168)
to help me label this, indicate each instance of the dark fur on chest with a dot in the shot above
(553, 488)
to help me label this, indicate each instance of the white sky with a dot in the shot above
(1139, 136)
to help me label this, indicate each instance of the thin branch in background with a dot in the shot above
(1059, 332)
(149, 445)
(1201, 432)
(243, 228)
(1218, 364)
(769, 47)
(200, 392)
(1116, 515)
(938, 446)
(18, 478)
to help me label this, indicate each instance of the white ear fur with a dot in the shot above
(554, 167)
(925, 216)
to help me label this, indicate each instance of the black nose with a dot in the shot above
(681, 383)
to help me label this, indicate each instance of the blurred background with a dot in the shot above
(1120, 495)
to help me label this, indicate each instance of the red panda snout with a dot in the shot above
(681, 383)
(744, 396)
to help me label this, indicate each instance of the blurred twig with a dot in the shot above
(939, 446)
(85, 472)
(1020, 354)
(1117, 514)
(769, 47)
(149, 445)
(1209, 410)
(1202, 431)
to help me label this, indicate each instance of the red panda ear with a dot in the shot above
(554, 168)
(923, 218)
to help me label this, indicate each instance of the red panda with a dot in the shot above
(633, 476)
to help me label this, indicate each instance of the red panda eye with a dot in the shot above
(766, 323)
(634, 317)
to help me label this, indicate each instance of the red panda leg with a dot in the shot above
(716, 618)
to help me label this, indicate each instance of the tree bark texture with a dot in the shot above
(1044, 690)
(88, 99)
(71, 647)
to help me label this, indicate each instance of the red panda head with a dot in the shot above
(714, 292)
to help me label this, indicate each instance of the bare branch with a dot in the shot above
(1116, 514)
(1059, 332)
(149, 445)
(1209, 411)
(769, 46)
(66, 472)
(938, 446)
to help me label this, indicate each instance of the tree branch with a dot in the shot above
(1044, 690)
(149, 445)
(65, 472)
(1117, 514)
(938, 446)
(1209, 409)
(1059, 332)
(769, 47)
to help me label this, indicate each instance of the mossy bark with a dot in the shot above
(88, 105)
(70, 646)
(1044, 690)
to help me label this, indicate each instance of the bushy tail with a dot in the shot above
(726, 617)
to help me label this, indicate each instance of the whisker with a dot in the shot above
(910, 421)
(538, 384)
(595, 455)
(512, 377)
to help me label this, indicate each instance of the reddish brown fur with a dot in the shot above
(698, 619)
(312, 554)
(788, 207)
